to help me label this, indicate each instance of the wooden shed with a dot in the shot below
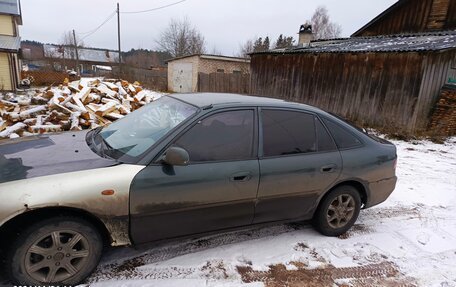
(381, 80)
(412, 16)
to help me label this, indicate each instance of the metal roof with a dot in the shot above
(378, 44)
(9, 7)
(10, 43)
(85, 54)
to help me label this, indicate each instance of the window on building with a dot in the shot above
(288, 132)
(237, 72)
(223, 136)
(220, 71)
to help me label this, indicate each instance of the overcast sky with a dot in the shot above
(225, 24)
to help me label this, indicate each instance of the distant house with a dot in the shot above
(89, 58)
(63, 57)
(389, 76)
(183, 72)
(10, 18)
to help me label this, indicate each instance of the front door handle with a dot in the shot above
(241, 176)
(328, 168)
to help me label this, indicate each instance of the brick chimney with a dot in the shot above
(305, 35)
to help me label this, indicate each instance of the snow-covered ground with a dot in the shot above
(410, 240)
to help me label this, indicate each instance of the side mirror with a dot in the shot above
(176, 156)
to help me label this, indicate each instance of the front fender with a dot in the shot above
(80, 190)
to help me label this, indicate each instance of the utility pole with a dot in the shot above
(118, 40)
(77, 54)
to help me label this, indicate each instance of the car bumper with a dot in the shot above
(380, 190)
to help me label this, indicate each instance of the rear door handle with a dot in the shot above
(241, 176)
(328, 168)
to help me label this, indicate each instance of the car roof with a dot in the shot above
(232, 100)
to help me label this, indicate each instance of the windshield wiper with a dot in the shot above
(99, 144)
(106, 148)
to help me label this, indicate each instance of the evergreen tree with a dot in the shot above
(284, 42)
(258, 45)
(279, 42)
(266, 44)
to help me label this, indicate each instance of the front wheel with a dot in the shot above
(338, 211)
(62, 250)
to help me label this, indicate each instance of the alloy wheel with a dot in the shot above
(57, 256)
(340, 211)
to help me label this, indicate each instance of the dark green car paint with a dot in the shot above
(172, 201)
(180, 200)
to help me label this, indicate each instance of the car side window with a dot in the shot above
(223, 136)
(343, 138)
(288, 132)
(325, 142)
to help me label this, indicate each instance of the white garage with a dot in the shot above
(183, 71)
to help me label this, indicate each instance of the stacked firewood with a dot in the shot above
(70, 106)
(443, 119)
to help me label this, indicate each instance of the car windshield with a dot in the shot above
(134, 134)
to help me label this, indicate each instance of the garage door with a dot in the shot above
(182, 77)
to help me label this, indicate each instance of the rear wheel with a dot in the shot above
(55, 251)
(338, 211)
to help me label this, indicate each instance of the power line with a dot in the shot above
(90, 33)
(153, 9)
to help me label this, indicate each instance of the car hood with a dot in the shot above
(46, 155)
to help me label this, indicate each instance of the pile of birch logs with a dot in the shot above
(70, 106)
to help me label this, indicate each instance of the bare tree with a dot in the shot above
(180, 38)
(69, 45)
(216, 51)
(322, 27)
(246, 48)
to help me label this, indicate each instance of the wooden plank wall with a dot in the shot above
(224, 83)
(377, 89)
(412, 16)
(451, 22)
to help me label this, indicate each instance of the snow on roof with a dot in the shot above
(395, 43)
(10, 43)
(9, 7)
(213, 57)
(85, 54)
(106, 68)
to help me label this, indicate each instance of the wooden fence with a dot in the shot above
(151, 79)
(46, 78)
(224, 83)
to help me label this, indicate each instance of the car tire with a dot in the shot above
(338, 211)
(56, 251)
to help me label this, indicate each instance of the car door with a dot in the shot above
(217, 190)
(298, 161)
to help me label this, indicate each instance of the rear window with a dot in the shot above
(343, 137)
